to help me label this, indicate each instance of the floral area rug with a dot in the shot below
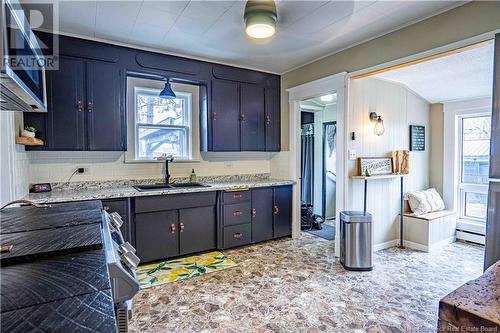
(161, 272)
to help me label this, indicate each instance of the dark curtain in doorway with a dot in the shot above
(307, 168)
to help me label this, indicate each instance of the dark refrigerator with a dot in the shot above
(492, 253)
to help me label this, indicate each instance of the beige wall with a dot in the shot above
(464, 22)
(399, 108)
(437, 146)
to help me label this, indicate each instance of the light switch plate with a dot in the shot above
(352, 154)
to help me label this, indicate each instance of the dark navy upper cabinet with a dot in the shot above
(85, 107)
(105, 109)
(243, 117)
(273, 120)
(225, 116)
(66, 98)
(252, 118)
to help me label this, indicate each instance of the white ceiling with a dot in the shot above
(214, 30)
(464, 75)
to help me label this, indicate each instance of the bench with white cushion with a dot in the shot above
(429, 231)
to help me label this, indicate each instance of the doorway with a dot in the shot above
(318, 134)
(334, 84)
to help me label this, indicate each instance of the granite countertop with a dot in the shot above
(475, 305)
(109, 192)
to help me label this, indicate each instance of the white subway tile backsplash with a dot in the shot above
(58, 167)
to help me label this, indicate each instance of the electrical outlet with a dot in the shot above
(352, 154)
(228, 165)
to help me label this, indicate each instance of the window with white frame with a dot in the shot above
(162, 126)
(474, 166)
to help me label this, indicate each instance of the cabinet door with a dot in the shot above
(252, 118)
(157, 235)
(282, 211)
(273, 120)
(225, 116)
(262, 214)
(105, 107)
(66, 105)
(197, 229)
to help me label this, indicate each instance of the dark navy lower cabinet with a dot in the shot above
(282, 211)
(197, 230)
(122, 207)
(157, 235)
(256, 215)
(262, 214)
(171, 225)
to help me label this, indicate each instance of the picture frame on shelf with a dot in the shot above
(375, 166)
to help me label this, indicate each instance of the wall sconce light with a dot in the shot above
(378, 129)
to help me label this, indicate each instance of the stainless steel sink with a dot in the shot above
(154, 187)
(188, 185)
(159, 187)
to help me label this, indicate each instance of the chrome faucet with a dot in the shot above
(167, 159)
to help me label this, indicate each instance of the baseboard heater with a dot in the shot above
(470, 236)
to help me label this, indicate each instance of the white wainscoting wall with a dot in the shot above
(14, 166)
(399, 107)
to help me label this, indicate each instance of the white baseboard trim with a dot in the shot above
(385, 245)
(425, 248)
(471, 237)
(416, 246)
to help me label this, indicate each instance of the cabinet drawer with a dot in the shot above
(237, 213)
(237, 235)
(236, 197)
(174, 201)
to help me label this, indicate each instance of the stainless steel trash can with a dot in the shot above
(356, 240)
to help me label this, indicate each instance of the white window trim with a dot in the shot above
(465, 222)
(453, 113)
(187, 115)
(193, 147)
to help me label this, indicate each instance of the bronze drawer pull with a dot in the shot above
(237, 213)
(172, 228)
(276, 209)
(237, 196)
(254, 212)
(238, 235)
(182, 227)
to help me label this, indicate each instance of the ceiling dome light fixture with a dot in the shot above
(260, 18)
(326, 98)
(167, 91)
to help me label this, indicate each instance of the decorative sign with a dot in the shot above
(417, 138)
(372, 166)
(402, 162)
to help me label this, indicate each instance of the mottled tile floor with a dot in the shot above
(298, 286)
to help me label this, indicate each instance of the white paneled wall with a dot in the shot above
(14, 166)
(399, 108)
(58, 166)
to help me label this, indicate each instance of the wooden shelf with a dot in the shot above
(394, 175)
(21, 140)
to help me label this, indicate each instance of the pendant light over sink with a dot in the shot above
(167, 91)
(260, 18)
